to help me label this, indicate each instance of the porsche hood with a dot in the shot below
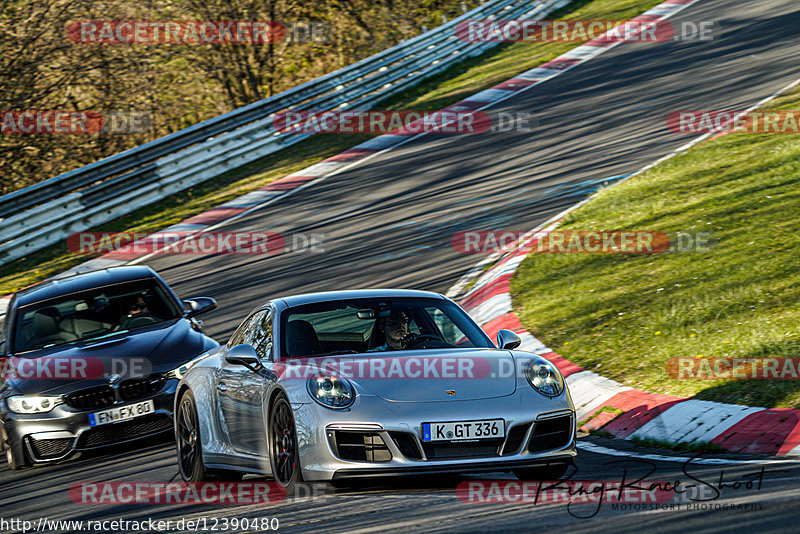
(417, 376)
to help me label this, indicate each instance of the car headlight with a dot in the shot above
(544, 377)
(331, 390)
(32, 404)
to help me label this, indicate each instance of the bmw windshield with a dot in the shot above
(92, 315)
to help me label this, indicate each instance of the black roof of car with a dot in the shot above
(82, 282)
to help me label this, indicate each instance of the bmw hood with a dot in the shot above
(419, 376)
(155, 349)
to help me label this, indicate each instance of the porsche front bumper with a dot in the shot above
(336, 445)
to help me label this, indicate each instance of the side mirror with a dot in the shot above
(243, 354)
(196, 306)
(506, 339)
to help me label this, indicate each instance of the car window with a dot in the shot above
(92, 314)
(360, 325)
(260, 334)
(451, 333)
(238, 337)
(257, 332)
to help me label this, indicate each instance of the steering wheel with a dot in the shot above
(139, 320)
(413, 341)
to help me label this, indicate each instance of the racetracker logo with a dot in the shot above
(735, 122)
(74, 122)
(185, 493)
(175, 32)
(381, 366)
(701, 368)
(400, 367)
(71, 368)
(562, 492)
(562, 242)
(203, 243)
(51, 368)
(604, 31)
(381, 122)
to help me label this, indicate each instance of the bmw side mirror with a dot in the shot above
(243, 354)
(199, 305)
(506, 339)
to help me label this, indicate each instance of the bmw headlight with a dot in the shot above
(32, 404)
(544, 377)
(331, 390)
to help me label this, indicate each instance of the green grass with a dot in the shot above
(456, 83)
(626, 316)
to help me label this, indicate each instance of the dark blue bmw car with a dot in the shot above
(92, 360)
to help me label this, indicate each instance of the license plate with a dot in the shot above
(458, 430)
(122, 413)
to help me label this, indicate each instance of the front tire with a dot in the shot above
(284, 456)
(187, 439)
(190, 452)
(13, 463)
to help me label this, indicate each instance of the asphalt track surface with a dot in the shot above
(388, 222)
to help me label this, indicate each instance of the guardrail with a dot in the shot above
(47, 212)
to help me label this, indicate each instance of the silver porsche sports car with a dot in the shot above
(332, 386)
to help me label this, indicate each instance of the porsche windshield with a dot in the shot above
(377, 325)
(92, 314)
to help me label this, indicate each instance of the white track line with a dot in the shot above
(599, 449)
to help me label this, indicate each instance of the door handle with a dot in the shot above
(222, 387)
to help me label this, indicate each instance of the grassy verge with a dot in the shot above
(626, 316)
(455, 84)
